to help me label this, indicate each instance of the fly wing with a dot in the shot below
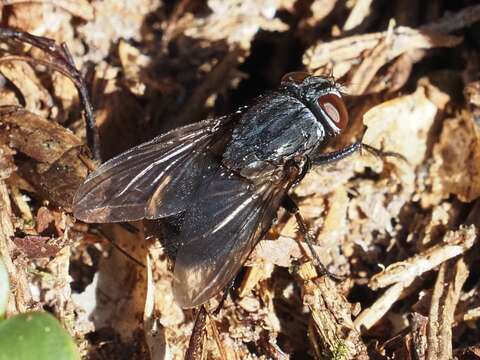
(153, 180)
(227, 219)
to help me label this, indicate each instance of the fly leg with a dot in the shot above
(290, 205)
(322, 159)
(195, 345)
(331, 157)
(229, 288)
(197, 339)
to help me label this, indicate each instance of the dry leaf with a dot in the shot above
(235, 21)
(401, 125)
(456, 159)
(34, 95)
(56, 166)
(366, 54)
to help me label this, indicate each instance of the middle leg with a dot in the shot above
(289, 204)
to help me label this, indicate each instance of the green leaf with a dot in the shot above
(4, 288)
(35, 336)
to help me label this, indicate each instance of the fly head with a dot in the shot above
(322, 96)
(289, 123)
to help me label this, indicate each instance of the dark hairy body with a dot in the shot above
(226, 177)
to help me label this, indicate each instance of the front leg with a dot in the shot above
(331, 157)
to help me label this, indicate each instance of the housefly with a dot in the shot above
(225, 177)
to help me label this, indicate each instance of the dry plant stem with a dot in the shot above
(252, 277)
(20, 203)
(178, 11)
(418, 324)
(454, 244)
(451, 277)
(313, 336)
(379, 308)
(359, 13)
(216, 336)
(269, 349)
(62, 61)
(336, 336)
(469, 315)
(195, 345)
(403, 274)
(452, 22)
(20, 295)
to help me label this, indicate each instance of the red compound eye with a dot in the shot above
(297, 77)
(335, 109)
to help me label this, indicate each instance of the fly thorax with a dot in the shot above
(273, 131)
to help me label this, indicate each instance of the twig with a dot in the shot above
(454, 244)
(403, 274)
(331, 313)
(418, 324)
(446, 293)
(216, 336)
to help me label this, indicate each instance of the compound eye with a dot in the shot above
(335, 109)
(296, 77)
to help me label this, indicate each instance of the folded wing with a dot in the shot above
(153, 180)
(225, 221)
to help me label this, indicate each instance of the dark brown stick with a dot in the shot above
(61, 61)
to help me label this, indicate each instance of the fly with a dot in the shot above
(225, 177)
